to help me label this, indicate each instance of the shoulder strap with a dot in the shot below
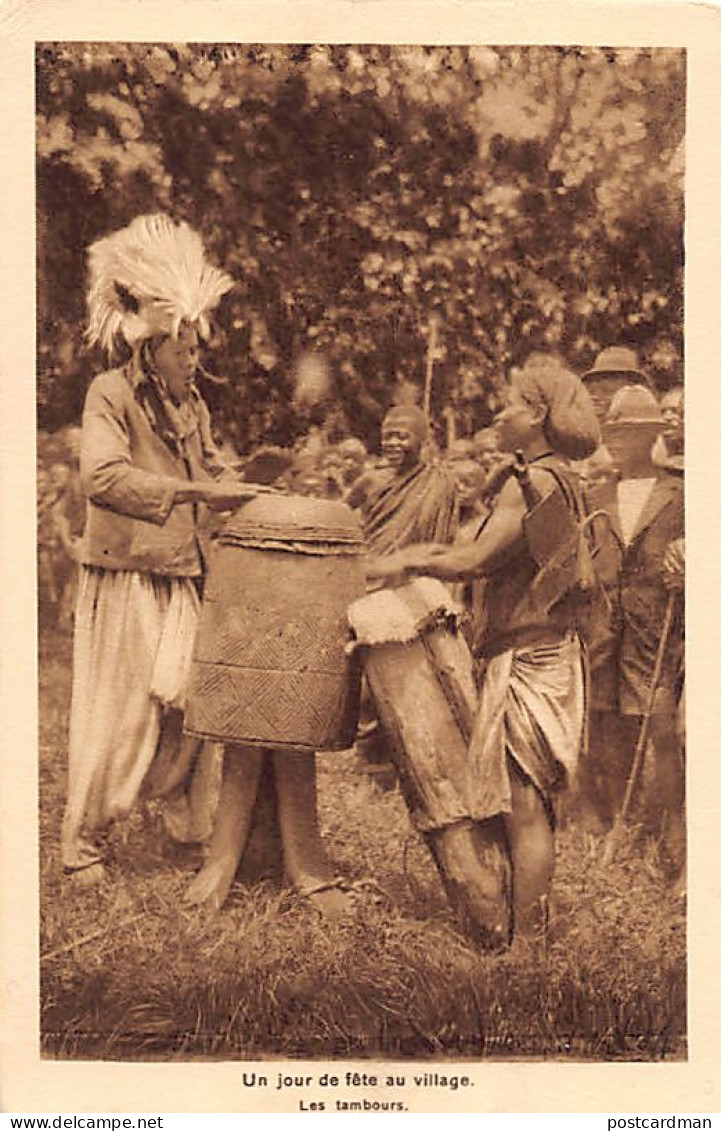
(569, 484)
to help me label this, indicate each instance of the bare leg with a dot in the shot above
(531, 842)
(188, 807)
(203, 790)
(238, 791)
(373, 757)
(263, 855)
(306, 864)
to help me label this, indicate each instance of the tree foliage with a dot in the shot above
(524, 198)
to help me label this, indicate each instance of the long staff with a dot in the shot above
(430, 358)
(640, 751)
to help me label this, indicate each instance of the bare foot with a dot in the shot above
(88, 877)
(178, 822)
(330, 900)
(211, 886)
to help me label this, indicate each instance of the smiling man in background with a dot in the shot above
(415, 500)
(407, 501)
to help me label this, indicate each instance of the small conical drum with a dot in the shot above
(271, 665)
(420, 673)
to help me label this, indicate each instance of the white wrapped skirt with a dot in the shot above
(134, 636)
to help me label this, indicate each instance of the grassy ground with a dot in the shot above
(129, 973)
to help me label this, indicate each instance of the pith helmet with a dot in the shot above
(634, 406)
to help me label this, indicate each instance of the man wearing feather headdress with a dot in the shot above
(147, 461)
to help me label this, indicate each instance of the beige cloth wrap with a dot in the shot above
(531, 707)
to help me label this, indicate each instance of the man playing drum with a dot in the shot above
(528, 728)
(147, 461)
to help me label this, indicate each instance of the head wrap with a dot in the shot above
(147, 279)
(410, 415)
(571, 426)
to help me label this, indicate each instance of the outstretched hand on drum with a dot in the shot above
(402, 565)
(387, 569)
(226, 496)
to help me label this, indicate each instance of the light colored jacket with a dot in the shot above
(127, 472)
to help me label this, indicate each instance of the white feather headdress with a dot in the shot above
(147, 279)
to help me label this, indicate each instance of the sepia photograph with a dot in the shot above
(360, 378)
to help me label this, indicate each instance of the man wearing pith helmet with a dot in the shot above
(645, 508)
(614, 367)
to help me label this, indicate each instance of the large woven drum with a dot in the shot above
(271, 665)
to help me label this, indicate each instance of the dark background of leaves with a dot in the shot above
(528, 198)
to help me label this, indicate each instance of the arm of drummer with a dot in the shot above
(498, 541)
